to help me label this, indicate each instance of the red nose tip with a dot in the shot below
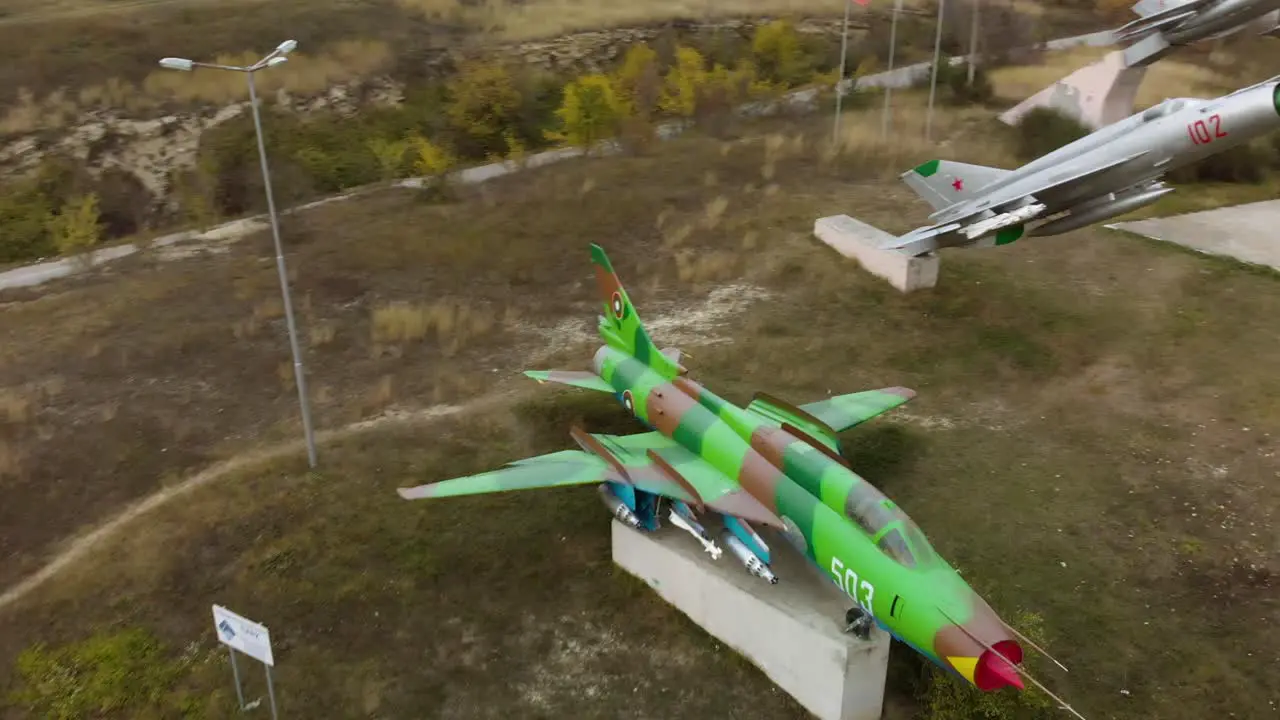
(994, 672)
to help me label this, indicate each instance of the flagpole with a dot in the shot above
(973, 40)
(844, 52)
(933, 85)
(888, 86)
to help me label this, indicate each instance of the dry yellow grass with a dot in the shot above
(323, 332)
(706, 266)
(15, 408)
(268, 309)
(905, 146)
(454, 323)
(303, 74)
(1169, 78)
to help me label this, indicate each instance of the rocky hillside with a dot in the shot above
(152, 148)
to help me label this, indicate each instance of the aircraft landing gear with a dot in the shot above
(858, 622)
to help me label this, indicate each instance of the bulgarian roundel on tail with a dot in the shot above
(620, 326)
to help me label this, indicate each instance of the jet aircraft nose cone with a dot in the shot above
(994, 672)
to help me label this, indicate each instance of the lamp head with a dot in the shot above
(287, 47)
(173, 63)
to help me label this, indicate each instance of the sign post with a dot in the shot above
(250, 638)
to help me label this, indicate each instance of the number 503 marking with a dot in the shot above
(1199, 130)
(847, 580)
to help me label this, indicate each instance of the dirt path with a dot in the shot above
(83, 545)
(697, 324)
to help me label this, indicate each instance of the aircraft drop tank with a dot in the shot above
(1081, 216)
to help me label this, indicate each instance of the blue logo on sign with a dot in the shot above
(227, 632)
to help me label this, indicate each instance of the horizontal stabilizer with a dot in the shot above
(576, 378)
(567, 467)
(845, 411)
(943, 183)
(921, 240)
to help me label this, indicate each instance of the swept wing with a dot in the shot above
(649, 461)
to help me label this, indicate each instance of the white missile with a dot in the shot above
(692, 527)
(1003, 220)
(754, 565)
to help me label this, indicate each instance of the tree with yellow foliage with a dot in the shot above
(590, 112)
(679, 94)
(779, 55)
(76, 229)
(390, 156)
(432, 163)
(484, 103)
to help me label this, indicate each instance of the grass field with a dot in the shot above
(1093, 439)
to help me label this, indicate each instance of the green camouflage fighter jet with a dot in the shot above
(771, 463)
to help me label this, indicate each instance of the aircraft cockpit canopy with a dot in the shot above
(1170, 105)
(888, 526)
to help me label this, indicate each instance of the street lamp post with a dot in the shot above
(276, 57)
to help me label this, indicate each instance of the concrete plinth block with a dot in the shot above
(792, 631)
(860, 241)
(1096, 95)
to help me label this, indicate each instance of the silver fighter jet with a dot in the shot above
(1110, 172)
(1164, 25)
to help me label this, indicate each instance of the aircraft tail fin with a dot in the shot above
(620, 326)
(943, 183)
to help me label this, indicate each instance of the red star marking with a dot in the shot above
(958, 184)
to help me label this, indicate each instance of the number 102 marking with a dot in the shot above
(1199, 130)
(847, 580)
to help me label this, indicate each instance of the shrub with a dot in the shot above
(76, 228)
(953, 84)
(1043, 130)
(24, 219)
(540, 96)
(777, 51)
(679, 95)
(483, 104)
(962, 92)
(638, 86)
(432, 162)
(123, 202)
(390, 155)
(1002, 30)
(638, 81)
(590, 112)
(1240, 164)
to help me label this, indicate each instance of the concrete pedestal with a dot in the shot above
(792, 631)
(1096, 95)
(860, 241)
